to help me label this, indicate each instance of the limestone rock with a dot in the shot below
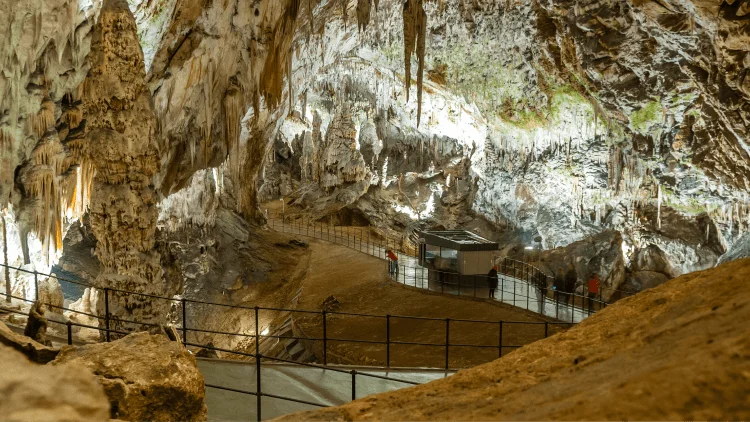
(36, 324)
(32, 392)
(740, 249)
(601, 254)
(146, 377)
(642, 280)
(121, 145)
(652, 259)
(36, 352)
(341, 163)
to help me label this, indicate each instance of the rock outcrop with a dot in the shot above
(146, 377)
(36, 324)
(678, 351)
(32, 392)
(34, 351)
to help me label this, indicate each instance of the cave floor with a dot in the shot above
(361, 285)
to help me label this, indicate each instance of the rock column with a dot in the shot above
(121, 146)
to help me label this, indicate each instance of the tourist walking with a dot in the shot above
(492, 281)
(570, 284)
(593, 287)
(393, 260)
(540, 284)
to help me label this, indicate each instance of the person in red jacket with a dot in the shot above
(393, 258)
(593, 286)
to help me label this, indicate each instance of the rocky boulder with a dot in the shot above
(740, 249)
(35, 351)
(146, 377)
(653, 259)
(601, 254)
(32, 392)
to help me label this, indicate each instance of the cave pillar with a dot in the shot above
(121, 146)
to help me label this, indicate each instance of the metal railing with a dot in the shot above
(517, 280)
(443, 349)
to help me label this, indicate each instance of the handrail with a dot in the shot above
(529, 274)
(106, 330)
(305, 225)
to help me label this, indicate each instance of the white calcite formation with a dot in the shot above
(558, 118)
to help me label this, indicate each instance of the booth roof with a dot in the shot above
(460, 240)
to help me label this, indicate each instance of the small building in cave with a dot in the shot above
(457, 260)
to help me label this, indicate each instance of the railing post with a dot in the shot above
(325, 339)
(500, 340)
(556, 296)
(528, 293)
(354, 384)
(258, 390)
(514, 288)
(184, 321)
(447, 338)
(573, 308)
(388, 341)
(70, 332)
(36, 286)
(106, 313)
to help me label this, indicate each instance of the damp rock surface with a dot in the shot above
(34, 351)
(32, 392)
(146, 377)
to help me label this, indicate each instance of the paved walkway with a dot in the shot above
(315, 385)
(511, 290)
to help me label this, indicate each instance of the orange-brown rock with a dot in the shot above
(678, 351)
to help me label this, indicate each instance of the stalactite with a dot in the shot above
(6, 140)
(275, 66)
(289, 81)
(6, 268)
(44, 119)
(410, 36)
(344, 6)
(422, 35)
(658, 207)
(73, 117)
(363, 14)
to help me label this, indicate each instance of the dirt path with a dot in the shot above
(360, 284)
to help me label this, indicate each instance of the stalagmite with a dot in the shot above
(120, 144)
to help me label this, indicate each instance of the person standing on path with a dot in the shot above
(492, 281)
(570, 284)
(540, 284)
(593, 286)
(393, 258)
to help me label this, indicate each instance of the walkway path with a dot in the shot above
(511, 290)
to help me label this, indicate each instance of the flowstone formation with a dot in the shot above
(121, 145)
